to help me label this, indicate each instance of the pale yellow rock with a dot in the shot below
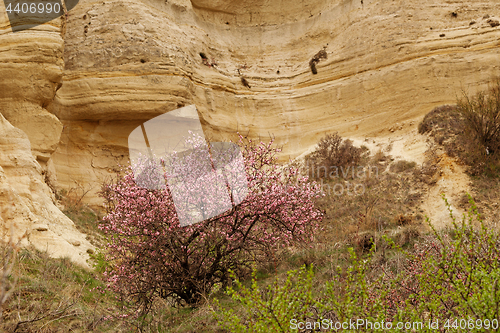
(113, 65)
(31, 67)
(26, 204)
(31, 64)
(126, 62)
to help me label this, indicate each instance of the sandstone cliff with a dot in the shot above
(31, 67)
(27, 203)
(387, 63)
(245, 64)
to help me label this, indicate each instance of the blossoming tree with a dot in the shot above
(153, 255)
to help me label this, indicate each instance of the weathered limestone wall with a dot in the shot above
(78, 87)
(31, 70)
(388, 62)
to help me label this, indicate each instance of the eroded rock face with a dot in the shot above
(387, 62)
(31, 67)
(244, 64)
(258, 12)
(27, 203)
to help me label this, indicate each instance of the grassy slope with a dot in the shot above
(52, 295)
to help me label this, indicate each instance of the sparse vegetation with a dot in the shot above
(8, 253)
(470, 130)
(333, 153)
(53, 295)
(153, 255)
(271, 309)
(442, 278)
(85, 218)
(373, 242)
(482, 117)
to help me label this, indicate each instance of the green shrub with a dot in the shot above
(350, 295)
(271, 309)
(450, 278)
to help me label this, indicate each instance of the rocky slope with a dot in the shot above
(27, 203)
(78, 86)
(31, 67)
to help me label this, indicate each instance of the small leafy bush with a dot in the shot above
(447, 277)
(333, 152)
(269, 309)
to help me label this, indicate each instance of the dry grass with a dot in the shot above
(387, 195)
(53, 295)
(62, 295)
(85, 218)
(449, 128)
(402, 166)
(486, 193)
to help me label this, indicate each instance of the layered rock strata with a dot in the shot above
(77, 86)
(27, 204)
(31, 70)
(246, 66)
